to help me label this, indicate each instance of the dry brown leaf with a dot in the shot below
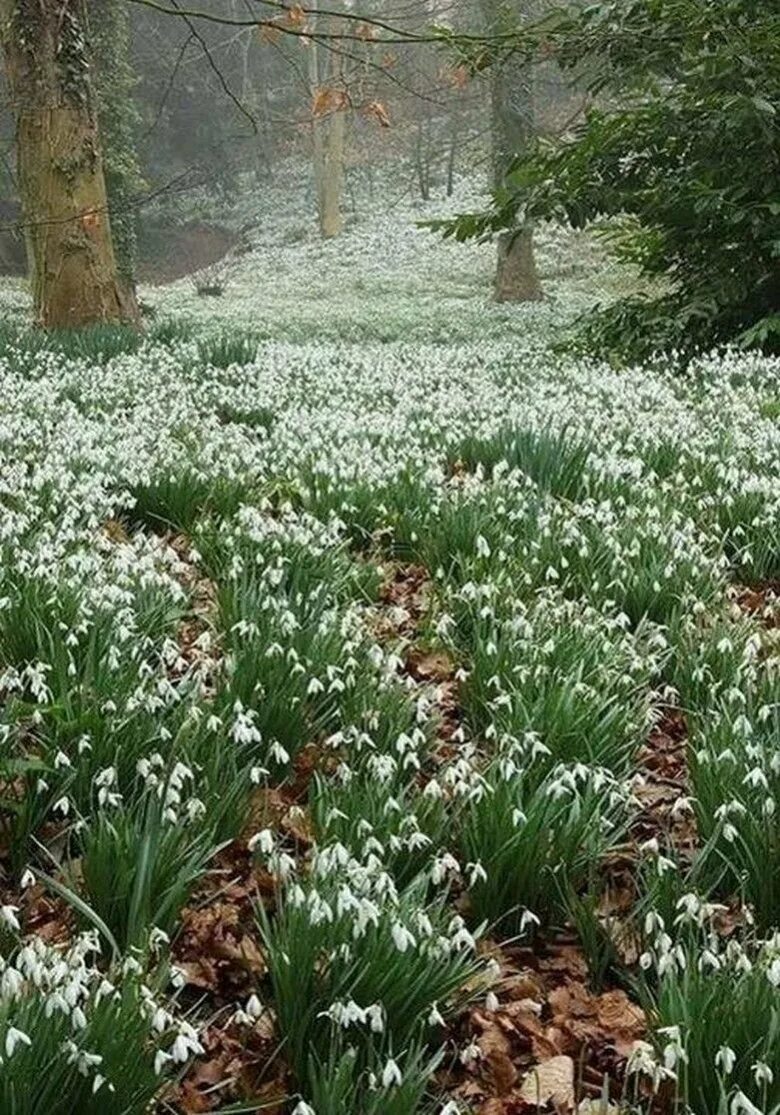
(245, 953)
(379, 112)
(115, 530)
(622, 1021)
(503, 1074)
(568, 961)
(296, 16)
(552, 1080)
(322, 101)
(199, 973)
(430, 666)
(496, 1050)
(269, 32)
(572, 1000)
(507, 1105)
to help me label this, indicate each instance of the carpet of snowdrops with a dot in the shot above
(210, 669)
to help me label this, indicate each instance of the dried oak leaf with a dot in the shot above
(566, 961)
(244, 953)
(429, 665)
(200, 973)
(571, 1000)
(552, 1080)
(507, 1105)
(496, 1049)
(622, 1020)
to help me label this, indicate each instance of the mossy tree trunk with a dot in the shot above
(113, 85)
(73, 271)
(512, 124)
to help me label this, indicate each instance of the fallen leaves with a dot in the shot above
(547, 1022)
(237, 1064)
(662, 782)
(217, 949)
(217, 952)
(551, 1080)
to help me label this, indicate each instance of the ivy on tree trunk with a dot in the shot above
(114, 83)
(73, 271)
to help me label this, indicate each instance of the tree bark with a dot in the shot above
(332, 175)
(329, 137)
(113, 85)
(73, 272)
(517, 279)
(512, 121)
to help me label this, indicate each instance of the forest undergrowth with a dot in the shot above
(390, 704)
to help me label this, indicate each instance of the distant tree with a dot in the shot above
(513, 132)
(329, 98)
(73, 271)
(681, 156)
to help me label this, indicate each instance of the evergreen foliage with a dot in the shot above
(680, 155)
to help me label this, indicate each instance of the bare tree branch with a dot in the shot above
(210, 58)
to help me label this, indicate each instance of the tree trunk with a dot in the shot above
(113, 86)
(331, 217)
(328, 133)
(451, 154)
(73, 272)
(517, 279)
(512, 119)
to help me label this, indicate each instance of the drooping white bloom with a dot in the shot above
(725, 1059)
(391, 1075)
(13, 1038)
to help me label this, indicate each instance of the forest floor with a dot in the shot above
(390, 703)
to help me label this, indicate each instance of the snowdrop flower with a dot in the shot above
(470, 1054)
(181, 1049)
(762, 1073)
(528, 918)
(391, 1075)
(161, 1059)
(13, 1038)
(178, 978)
(158, 938)
(402, 938)
(9, 919)
(476, 873)
(642, 1062)
(375, 1016)
(303, 1108)
(725, 1059)
(483, 548)
(435, 1017)
(263, 840)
